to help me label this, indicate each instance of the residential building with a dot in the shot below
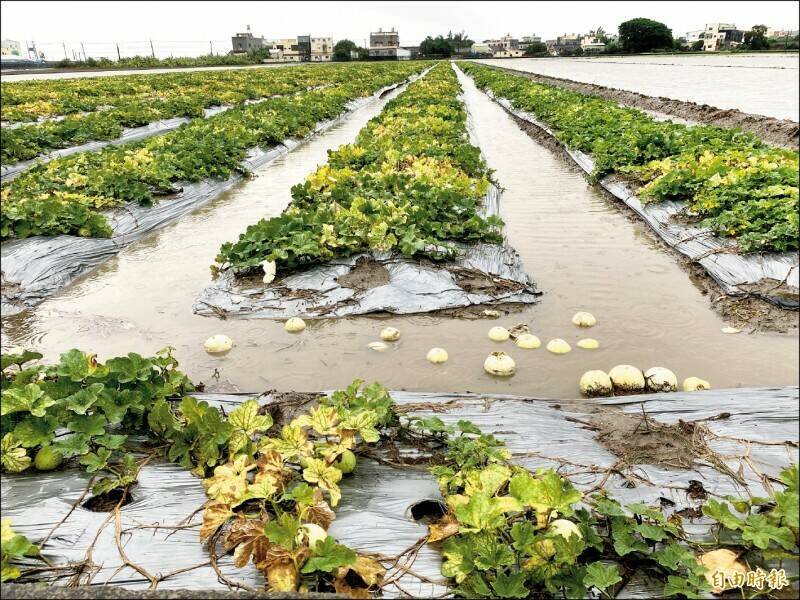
(509, 53)
(529, 39)
(692, 37)
(413, 50)
(778, 34)
(504, 43)
(303, 48)
(321, 49)
(482, 50)
(246, 42)
(591, 44)
(568, 43)
(384, 44)
(11, 48)
(721, 36)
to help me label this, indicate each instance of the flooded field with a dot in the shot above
(583, 251)
(762, 84)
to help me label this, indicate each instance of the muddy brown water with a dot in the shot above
(584, 252)
(761, 84)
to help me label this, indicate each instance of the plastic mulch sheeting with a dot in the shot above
(374, 512)
(36, 267)
(481, 274)
(129, 134)
(755, 274)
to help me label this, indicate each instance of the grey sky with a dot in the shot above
(172, 25)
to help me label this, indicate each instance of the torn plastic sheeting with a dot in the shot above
(718, 256)
(374, 512)
(37, 267)
(413, 286)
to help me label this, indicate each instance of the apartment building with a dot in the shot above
(385, 44)
(721, 36)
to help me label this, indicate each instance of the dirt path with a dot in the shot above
(782, 132)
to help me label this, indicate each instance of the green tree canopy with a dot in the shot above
(444, 47)
(643, 35)
(536, 49)
(342, 49)
(756, 38)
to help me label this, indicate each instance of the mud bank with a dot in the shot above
(782, 132)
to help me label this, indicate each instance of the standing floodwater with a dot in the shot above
(583, 252)
(762, 84)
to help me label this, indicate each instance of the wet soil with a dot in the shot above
(108, 501)
(367, 273)
(782, 132)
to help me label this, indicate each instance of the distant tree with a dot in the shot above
(697, 46)
(643, 35)
(756, 38)
(612, 48)
(536, 49)
(577, 51)
(342, 49)
(444, 47)
(437, 46)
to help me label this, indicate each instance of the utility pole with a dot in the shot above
(119, 56)
(152, 51)
(211, 46)
(84, 52)
(64, 46)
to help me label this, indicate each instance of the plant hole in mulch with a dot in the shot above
(428, 510)
(109, 500)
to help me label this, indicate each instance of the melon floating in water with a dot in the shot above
(659, 379)
(294, 325)
(558, 346)
(695, 384)
(390, 334)
(217, 344)
(626, 379)
(588, 344)
(528, 341)
(500, 364)
(584, 319)
(498, 334)
(596, 383)
(437, 355)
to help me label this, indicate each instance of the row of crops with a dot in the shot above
(734, 184)
(411, 182)
(273, 485)
(100, 108)
(69, 194)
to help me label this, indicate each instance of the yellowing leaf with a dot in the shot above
(323, 419)
(214, 516)
(325, 477)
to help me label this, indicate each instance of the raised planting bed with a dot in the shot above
(403, 220)
(363, 491)
(130, 108)
(719, 196)
(114, 197)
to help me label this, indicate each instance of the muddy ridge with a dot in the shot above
(781, 132)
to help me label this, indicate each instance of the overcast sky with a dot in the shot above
(174, 24)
